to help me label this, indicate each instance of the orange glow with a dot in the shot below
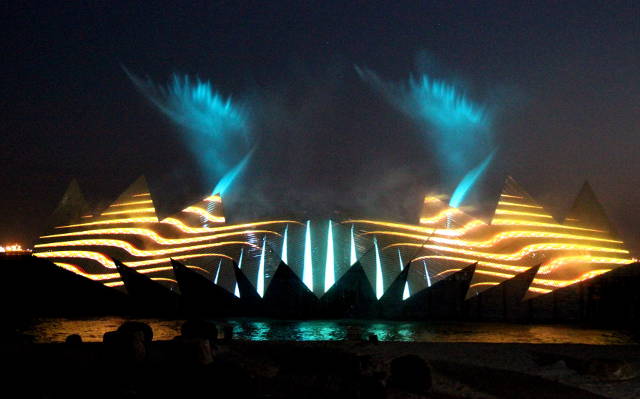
(15, 248)
(213, 198)
(511, 196)
(142, 195)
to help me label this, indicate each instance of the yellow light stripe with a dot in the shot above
(515, 222)
(481, 284)
(515, 256)
(126, 246)
(180, 225)
(142, 195)
(539, 290)
(205, 214)
(107, 263)
(164, 279)
(563, 283)
(132, 203)
(479, 271)
(496, 239)
(442, 215)
(468, 261)
(561, 261)
(426, 230)
(511, 196)
(112, 221)
(137, 210)
(518, 213)
(155, 237)
(520, 205)
(110, 276)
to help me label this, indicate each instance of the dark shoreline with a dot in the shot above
(458, 369)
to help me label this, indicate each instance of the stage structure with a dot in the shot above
(406, 257)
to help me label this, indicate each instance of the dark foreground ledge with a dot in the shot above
(346, 369)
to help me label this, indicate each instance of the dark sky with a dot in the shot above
(564, 75)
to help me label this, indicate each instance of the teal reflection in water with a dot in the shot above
(92, 330)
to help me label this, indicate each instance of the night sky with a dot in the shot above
(562, 77)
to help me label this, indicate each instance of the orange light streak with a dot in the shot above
(110, 276)
(518, 213)
(205, 214)
(479, 271)
(520, 205)
(516, 222)
(467, 261)
(496, 239)
(426, 230)
(539, 290)
(155, 237)
(126, 246)
(138, 210)
(180, 225)
(132, 203)
(481, 284)
(142, 195)
(561, 261)
(564, 283)
(107, 263)
(442, 215)
(515, 256)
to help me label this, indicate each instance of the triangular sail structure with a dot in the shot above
(588, 212)
(351, 296)
(200, 296)
(148, 294)
(250, 301)
(443, 300)
(502, 302)
(288, 297)
(392, 301)
(72, 207)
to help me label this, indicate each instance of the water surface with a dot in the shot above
(92, 330)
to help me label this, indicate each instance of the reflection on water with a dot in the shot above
(92, 330)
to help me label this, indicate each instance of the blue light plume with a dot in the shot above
(216, 130)
(457, 128)
(469, 180)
